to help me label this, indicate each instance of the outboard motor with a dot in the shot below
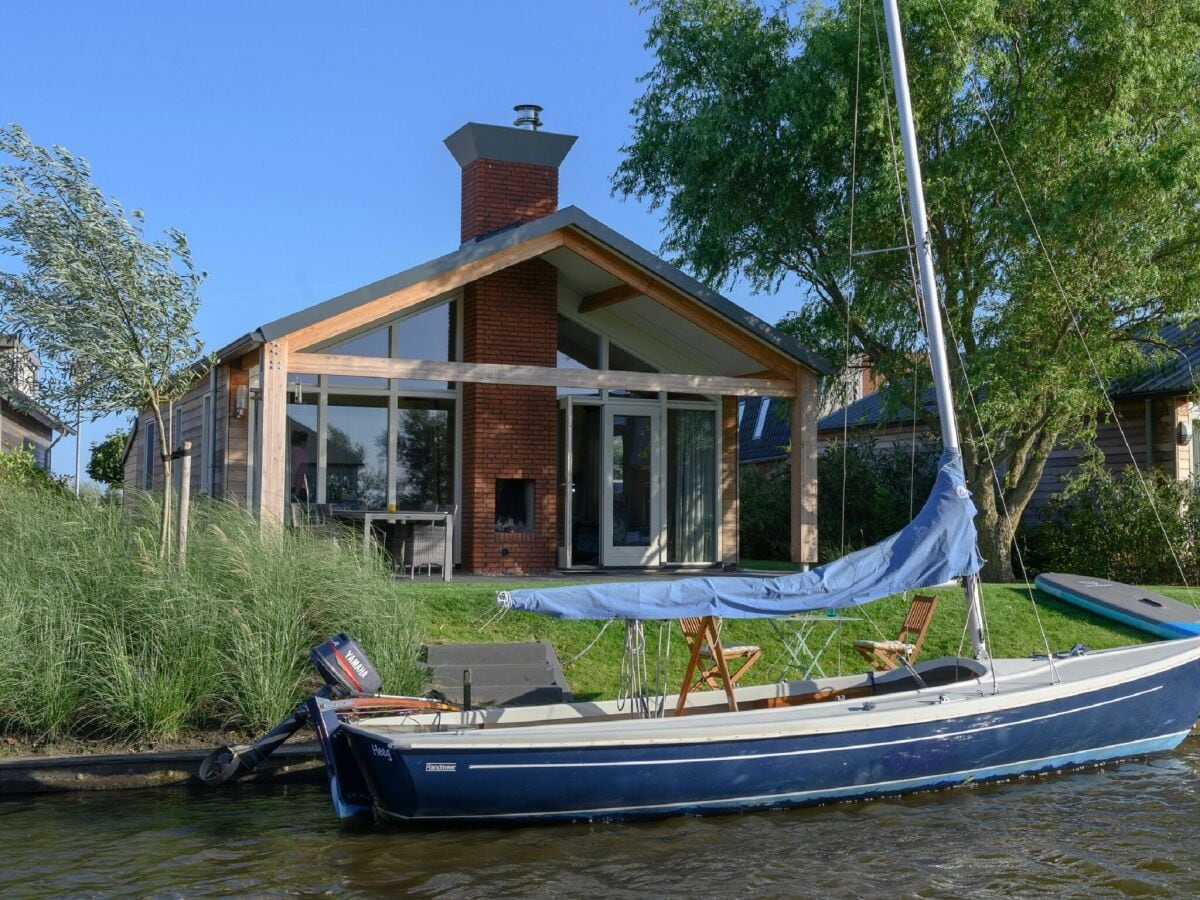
(347, 673)
(345, 667)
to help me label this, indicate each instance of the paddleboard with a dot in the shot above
(1124, 603)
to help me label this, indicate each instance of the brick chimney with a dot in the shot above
(509, 175)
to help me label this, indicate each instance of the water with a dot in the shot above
(1126, 830)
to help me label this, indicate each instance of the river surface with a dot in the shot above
(1125, 830)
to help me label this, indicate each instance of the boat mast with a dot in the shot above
(933, 318)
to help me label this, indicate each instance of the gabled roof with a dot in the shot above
(1176, 374)
(26, 405)
(874, 411)
(481, 248)
(1171, 377)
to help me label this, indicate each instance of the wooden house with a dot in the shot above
(572, 394)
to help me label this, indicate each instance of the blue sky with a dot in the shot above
(299, 145)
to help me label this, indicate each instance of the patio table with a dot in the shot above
(802, 655)
(369, 517)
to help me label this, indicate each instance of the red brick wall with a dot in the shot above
(510, 431)
(496, 194)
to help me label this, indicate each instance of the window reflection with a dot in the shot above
(356, 452)
(375, 343)
(302, 451)
(425, 452)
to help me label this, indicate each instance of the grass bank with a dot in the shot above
(108, 641)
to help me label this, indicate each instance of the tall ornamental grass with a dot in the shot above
(106, 639)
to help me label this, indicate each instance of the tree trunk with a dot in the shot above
(164, 448)
(996, 533)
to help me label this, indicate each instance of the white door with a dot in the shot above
(632, 521)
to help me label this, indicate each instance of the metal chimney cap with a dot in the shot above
(527, 116)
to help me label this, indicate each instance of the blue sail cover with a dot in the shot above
(935, 547)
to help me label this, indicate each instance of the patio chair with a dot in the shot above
(426, 548)
(886, 655)
(708, 659)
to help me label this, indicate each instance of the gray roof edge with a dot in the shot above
(567, 217)
(26, 405)
(468, 252)
(499, 142)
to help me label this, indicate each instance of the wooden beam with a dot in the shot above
(272, 445)
(729, 481)
(679, 303)
(609, 297)
(397, 301)
(804, 468)
(493, 373)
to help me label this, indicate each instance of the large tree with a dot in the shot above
(746, 134)
(110, 312)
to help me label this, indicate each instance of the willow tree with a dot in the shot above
(110, 312)
(769, 136)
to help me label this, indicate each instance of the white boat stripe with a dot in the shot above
(850, 790)
(806, 752)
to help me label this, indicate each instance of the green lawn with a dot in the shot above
(467, 613)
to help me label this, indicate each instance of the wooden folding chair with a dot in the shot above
(885, 655)
(703, 638)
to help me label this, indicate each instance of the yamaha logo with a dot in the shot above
(355, 663)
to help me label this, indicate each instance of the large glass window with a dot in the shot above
(356, 451)
(426, 335)
(302, 450)
(691, 485)
(625, 361)
(578, 348)
(424, 452)
(375, 343)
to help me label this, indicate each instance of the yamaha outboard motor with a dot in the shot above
(345, 667)
(347, 673)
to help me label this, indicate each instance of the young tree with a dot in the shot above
(107, 461)
(110, 312)
(746, 133)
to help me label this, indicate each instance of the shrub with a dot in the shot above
(19, 468)
(1105, 525)
(128, 644)
(884, 487)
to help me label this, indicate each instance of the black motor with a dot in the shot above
(347, 673)
(345, 667)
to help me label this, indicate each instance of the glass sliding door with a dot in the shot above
(691, 486)
(632, 530)
(585, 484)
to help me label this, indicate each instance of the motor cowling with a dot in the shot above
(345, 667)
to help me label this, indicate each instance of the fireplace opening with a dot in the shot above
(514, 504)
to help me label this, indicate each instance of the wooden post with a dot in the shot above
(185, 496)
(729, 481)
(272, 445)
(804, 468)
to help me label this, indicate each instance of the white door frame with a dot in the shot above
(651, 554)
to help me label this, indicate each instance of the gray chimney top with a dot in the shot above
(499, 142)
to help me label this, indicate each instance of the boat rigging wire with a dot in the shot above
(578, 656)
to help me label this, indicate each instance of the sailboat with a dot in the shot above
(935, 724)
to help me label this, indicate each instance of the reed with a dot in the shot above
(112, 641)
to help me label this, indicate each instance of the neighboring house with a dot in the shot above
(24, 425)
(574, 395)
(1155, 410)
(764, 423)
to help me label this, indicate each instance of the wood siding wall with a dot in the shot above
(17, 430)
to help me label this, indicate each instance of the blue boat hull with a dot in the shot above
(411, 783)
